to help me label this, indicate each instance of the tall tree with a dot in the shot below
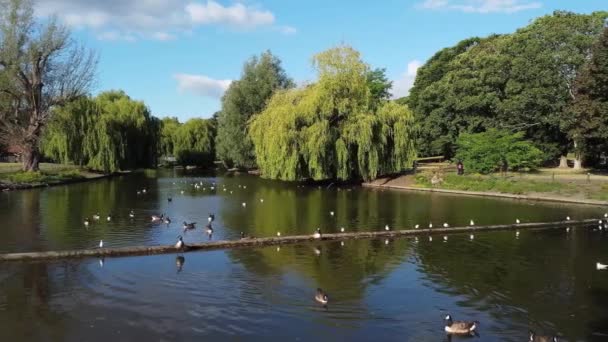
(194, 142)
(40, 68)
(169, 127)
(587, 120)
(261, 77)
(379, 86)
(330, 130)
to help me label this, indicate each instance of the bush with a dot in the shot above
(497, 150)
(27, 177)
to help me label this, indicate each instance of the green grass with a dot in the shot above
(44, 167)
(49, 173)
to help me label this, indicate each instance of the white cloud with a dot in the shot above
(287, 30)
(402, 86)
(481, 6)
(154, 19)
(201, 85)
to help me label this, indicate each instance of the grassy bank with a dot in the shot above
(11, 176)
(518, 184)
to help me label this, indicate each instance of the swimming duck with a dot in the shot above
(190, 225)
(86, 222)
(317, 234)
(600, 266)
(211, 218)
(180, 243)
(321, 297)
(539, 338)
(156, 218)
(459, 327)
(96, 217)
(209, 229)
(131, 214)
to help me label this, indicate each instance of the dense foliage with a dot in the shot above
(329, 129)
(194, 143)
(110, 132)
(497, 150)
(521, 81)
(261, 77)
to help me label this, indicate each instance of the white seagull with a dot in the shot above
(472, 223)
(446, 225)
(387, 227)
(599, 266)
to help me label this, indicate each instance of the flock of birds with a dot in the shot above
(451, 326)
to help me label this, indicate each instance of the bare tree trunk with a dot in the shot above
(30, 158)
(578, 163)
(578, 156)
(563, 162)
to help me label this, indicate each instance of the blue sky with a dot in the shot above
(179, 55)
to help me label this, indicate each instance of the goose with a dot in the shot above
(169, 199)
(109, 218)
(321, 297)
(279, 234)
(100, 243)
(190, 225)
(209, 229)
(131, 214)
(342, 230)
(156, 218)
(517, 221)
(459, 327)
(417, 226)
(167, 220)
(96, 217)
(317, 234)
(387, 228)
(245, 237)
(600, 266)
(446, 225)
(180, 243)
(471, 223)
(211, 218)
(179, 262)
(541, 338)
(86, 222)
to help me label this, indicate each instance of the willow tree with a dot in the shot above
(40, 68)
(194, 142)
(330, 130)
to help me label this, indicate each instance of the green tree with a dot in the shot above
(194, 142)
(329, 130)
(496, 150)
(40, 68)
(169, 127)
(261, 77)
(379, 86)
(587, 119)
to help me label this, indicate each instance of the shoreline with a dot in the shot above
(6, 187)
(489, 194)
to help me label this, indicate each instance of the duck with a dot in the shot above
(96, 217)
(209, 229)
(190, 225)
(317, 234)
(471, 223)
(167, 220)
(131, 214)
(86, 222)
(321, 297)
(541, 338)
(600, 266)
(156, 218)
(459, 327)
(211, 218)
(180, 243)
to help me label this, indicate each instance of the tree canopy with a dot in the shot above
(261, 77)
(194, 142)
(329, 129)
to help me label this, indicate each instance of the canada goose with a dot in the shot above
(180, 243)
(131, 214)
(167, 220)
(321, 297)
(179, 262)
(109, 218)
(190, 225)
(169, 199)
(342, 230)
(387, 228)
(471, 223)
(459, 327)
(211, 218)
(96, 217)
(86, 222)
(209, 229)
(540, 338)
(279, 234)
(517, 221)
(446, 225)
(317, 234)
(100, 243)
(600, 266)
(245, 237)
(156, 218)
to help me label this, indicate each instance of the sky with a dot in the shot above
(179, 56)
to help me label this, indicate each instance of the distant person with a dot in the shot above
(460, 168)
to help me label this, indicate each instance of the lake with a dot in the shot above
(391, 290)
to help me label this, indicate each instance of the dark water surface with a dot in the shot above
(393, 290)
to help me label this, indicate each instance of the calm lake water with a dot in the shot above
(393, 290)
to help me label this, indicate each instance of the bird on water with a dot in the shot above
(541, 338)
(321, 296)
(317, 234)
(459, 327)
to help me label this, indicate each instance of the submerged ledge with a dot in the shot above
(269, 241)
(490, 194)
